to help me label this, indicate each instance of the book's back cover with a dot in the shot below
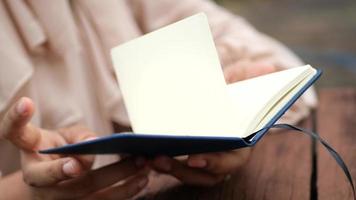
(150, 145)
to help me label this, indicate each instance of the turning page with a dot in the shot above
(173, 84)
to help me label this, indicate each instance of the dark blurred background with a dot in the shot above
(321, 32)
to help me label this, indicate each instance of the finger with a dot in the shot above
(15, 127)
(235, 72)
(184, 173)
(130, 188)
(258, 69)
(86, 160)
(46, 173)
(220, 163)
(103, 177)
(247, 69)
(75, 134)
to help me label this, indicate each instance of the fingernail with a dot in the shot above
(163, 164)
(91, 138)
(70, 168)
(140, 162)
(198, 163)
(143, 182)
(21, 106)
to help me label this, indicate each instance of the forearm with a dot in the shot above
(13, 187)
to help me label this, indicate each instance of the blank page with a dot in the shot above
(172, 82)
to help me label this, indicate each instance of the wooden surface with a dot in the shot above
(281, 164)
(337, 119)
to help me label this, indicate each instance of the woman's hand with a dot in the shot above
(203, 169)
(66, 177)
(246, 69)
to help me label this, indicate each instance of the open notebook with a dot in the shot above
(179, 103)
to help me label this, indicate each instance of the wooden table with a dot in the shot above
(337, 118)
(286, 165)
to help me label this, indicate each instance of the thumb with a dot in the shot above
(15, 127)
(50, 172)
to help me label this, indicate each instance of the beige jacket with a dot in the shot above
(57, 52)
